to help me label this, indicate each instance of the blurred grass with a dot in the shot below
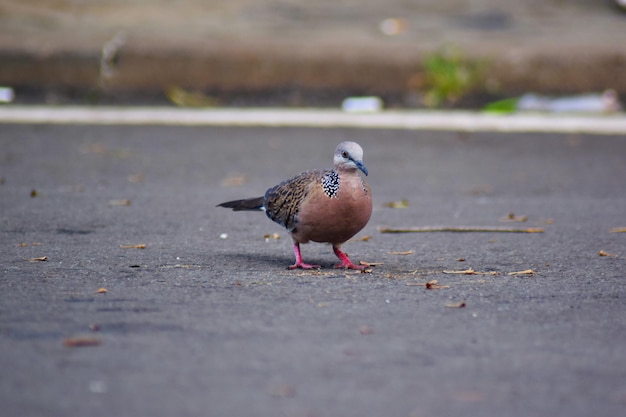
(449, 77)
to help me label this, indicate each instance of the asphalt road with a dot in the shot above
(196, 324)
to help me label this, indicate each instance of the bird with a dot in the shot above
(325, 206)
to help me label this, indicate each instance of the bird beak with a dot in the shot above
(361, 166)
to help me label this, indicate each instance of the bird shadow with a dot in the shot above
(270, 261)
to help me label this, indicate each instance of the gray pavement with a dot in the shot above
(91, 50)
(199, 325)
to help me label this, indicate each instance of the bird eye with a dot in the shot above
(344, 154)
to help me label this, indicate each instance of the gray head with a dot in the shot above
(349, 156)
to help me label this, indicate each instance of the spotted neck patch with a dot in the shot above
(330, 183)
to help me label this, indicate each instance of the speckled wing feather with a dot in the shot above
(283, 201)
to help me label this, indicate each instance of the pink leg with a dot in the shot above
(345, 261)
(299, 263)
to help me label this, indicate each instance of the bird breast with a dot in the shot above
(334, 219)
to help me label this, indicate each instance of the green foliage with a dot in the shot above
(449, 77)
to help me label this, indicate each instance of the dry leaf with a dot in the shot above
(81, 341)
(184, 98)
(274, 236)
(397, 204)
(470, 271)
(121, 202)
(433, 285)
(511, 217)
(430, 285)
(136, 178)
(618, 230)
(609, 255)
(138, 246)
(236, 180)
(409, 252)
(40, 259)
(33, 193)
(101, 291)
(361, 239)
(457, 305)
(370, 263)
(524, 272)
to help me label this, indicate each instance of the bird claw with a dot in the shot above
(303, 266)
(349, 265)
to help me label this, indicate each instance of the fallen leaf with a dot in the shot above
(236, 180)
(82, 341)
(40, 259)
(470, 271)
(397, 204)
(460, 260)
(120, 202)
(618, 230)
(457, 305)
(33, 193)
(22, 245)
(430, 285)
(370, 263)
(101, 291)
(274, 236)
(138, 246)
(524, 272)
(136, 178)
(409, 252)
(184, 98)
(511, 217)
(607, 254)
(433, 285)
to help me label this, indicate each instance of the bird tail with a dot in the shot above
(246, 204)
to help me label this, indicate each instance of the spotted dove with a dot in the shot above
(327, 206)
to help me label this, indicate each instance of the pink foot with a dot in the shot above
(345, 261)
(303, 266)
(299, 263)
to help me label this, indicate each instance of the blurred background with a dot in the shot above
(411, 53)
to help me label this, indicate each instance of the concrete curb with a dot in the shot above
(403, 120)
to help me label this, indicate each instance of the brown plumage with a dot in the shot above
(327, 206)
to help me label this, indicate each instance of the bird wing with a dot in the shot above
(283, 201)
